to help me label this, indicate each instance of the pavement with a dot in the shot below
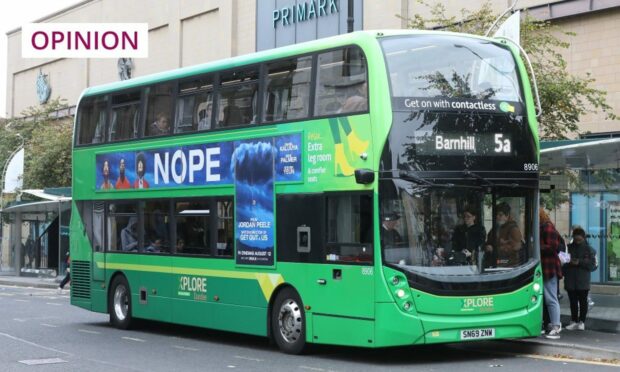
(599, 342)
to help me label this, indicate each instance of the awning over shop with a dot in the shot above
(589, 154)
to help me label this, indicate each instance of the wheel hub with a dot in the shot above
(290, 321)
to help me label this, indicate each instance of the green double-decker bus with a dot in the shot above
(371, 189)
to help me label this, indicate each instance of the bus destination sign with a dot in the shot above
(477, 144)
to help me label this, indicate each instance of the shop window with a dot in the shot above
(341, 82)
(287, 89)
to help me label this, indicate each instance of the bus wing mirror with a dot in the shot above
(364, 176)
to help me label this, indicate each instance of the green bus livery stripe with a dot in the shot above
(267, 282)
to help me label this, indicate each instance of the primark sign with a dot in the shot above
(304, 11)
(287, 22)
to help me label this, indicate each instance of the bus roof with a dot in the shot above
(257, 57)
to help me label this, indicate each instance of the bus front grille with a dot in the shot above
(80, 279)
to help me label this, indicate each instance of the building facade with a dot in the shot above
(184, 33)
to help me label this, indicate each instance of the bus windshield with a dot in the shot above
(451, 66)
(448, 229)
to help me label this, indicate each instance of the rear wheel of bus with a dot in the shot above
(288, 322)
(119, 303)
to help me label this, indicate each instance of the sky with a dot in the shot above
(13, 14)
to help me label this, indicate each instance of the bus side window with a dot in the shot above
(193, 227)
(287, 89)
(293, 211)
(125, 116)
(159, 108)
(156, 227)
(123, 228)
(349, 228)
(341, 82)
(91, 120)
(225, 227)
(194, 108)
(236, 101)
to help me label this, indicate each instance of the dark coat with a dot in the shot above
(577, 277)
(468, 237)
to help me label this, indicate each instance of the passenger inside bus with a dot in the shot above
(233, 114)
(504, 246)
(180, 247)
(467, 238)
(160, 126)
(156, 246)
(357, 100)
(389, 232)
(129, 235)
(205, 110)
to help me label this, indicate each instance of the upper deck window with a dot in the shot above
(125, 117)
(92, 120)
(238, 97)
(287, 87)
(194, 110)
(159, 111)
(341, 82)
(452, 67)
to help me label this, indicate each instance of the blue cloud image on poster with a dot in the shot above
(253, 165)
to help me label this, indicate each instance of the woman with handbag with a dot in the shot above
(577, 278)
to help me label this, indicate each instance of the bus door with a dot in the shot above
(344, 284)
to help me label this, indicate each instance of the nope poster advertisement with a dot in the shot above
(251, 166)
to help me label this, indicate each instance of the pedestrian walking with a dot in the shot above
(577, 278)
(552, 273)
(67, 277)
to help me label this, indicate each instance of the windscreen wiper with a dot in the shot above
(470, 174)
(410, 176)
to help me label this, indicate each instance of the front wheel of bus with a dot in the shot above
(288, 322)
(120, 303)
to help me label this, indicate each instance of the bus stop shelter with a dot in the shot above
(35, 234)
(593, 201)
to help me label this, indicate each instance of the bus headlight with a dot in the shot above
(536, 287)
(400, 293)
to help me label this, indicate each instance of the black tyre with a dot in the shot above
(119, 303)
(288, 322)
